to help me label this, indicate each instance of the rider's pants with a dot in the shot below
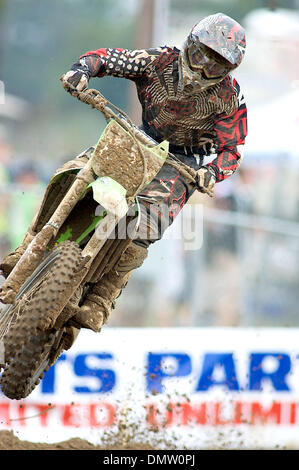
(162, 200)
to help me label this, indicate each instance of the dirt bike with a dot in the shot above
(83, 205)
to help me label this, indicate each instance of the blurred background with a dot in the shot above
(246, 271)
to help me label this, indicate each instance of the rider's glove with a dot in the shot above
(76, 78)
(206, 180)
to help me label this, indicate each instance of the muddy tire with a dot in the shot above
(42, 307)
(32, 341)
(27, 368)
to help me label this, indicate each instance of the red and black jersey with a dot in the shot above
(213, 120)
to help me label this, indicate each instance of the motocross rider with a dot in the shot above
(189, 98)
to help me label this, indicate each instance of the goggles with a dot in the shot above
(204, 58)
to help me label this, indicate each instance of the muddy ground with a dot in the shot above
(8, 441)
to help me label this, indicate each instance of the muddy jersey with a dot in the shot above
(207, 121)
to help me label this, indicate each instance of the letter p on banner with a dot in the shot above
(156, 373)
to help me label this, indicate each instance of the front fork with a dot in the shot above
(35, 250)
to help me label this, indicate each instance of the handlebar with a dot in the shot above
(89, 96)
(96, 100)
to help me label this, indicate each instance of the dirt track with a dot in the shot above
(8, 441)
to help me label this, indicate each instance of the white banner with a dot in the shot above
(193, 388)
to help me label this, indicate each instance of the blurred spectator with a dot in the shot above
(5, 158)
(24, 199)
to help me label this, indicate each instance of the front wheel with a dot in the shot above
(31, 342)
(25, 370)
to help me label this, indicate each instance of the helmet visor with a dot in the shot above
(203, 58)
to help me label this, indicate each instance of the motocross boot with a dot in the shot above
(9, 262)
(94, 312)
